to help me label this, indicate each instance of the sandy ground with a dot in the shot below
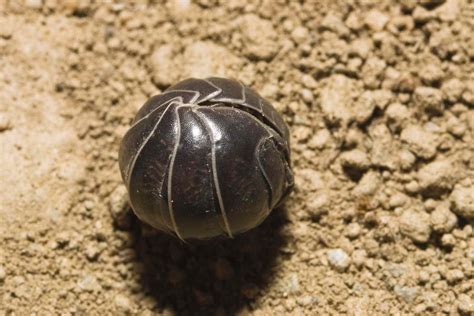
(379, 97)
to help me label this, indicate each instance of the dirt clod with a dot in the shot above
(463, 201)
(429, 99)
(442, 219)
(465, 304)
(339, 259)
(415, 225)
(437, 177)
(420, 141)
(355, 162)
(3, 274)
(259, 38)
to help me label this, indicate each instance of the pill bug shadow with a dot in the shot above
(219, 276)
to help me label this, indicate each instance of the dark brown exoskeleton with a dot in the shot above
(205, 158)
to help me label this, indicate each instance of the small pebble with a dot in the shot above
(462, 199)
(407, 159)
(431, 74)
(339, 259)
(311, 179)
(364, 107)
(307, 96)
(430, 205)
(465, 304)
(63, 238)
(397, 200)
(34, 4)
(306, 300)
(300, 34)
(88, 283)
(317, 205)
(320, 139)
(259, 37)
(122, 303)
(397, 115)
(415, 225)
(419, 309)
(423, 277)
(334, 23)
(376, 20)
(453, 89)
(448, 240)
(335, 99)
(92, 253)
(429, 99)
(408, 294)
(353, 137)
(119, 208)
(6, 30)
(421, 142)
(309, 82)
(356, 159)
(361, 47)
(113, 43)
(412, 186)
(3, 274)
(290, 304)
(468, 94)
(353, 230)
(371, 246)
(89, 205)
(161, 62)
(368, 184)
(437, 177)
(293, 283)
(455, 275)
(5, 123)
(456, 127)
(442, 219)
(358, 257)
(180, 6)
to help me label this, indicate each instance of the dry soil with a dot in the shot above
(379, 97)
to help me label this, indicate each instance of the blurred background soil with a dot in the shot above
(379, 96)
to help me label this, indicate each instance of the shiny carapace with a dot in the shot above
(208, 157)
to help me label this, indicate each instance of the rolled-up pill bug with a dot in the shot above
(208, 157)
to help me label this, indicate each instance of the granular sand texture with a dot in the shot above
(379, 97)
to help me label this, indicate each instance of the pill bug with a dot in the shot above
(208, 157)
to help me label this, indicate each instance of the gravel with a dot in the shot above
(258, 37)
(339, 259)
(355, 160)
(465, 304)
(122, 303)
(462, 199)
(88, 283)
(415, 225)
(437, 177)
(408, 294)
(5, 123)
(421, 142)
(429, 99)
(442, 219)
(3, 273)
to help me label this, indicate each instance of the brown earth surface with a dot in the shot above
(379, 97)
